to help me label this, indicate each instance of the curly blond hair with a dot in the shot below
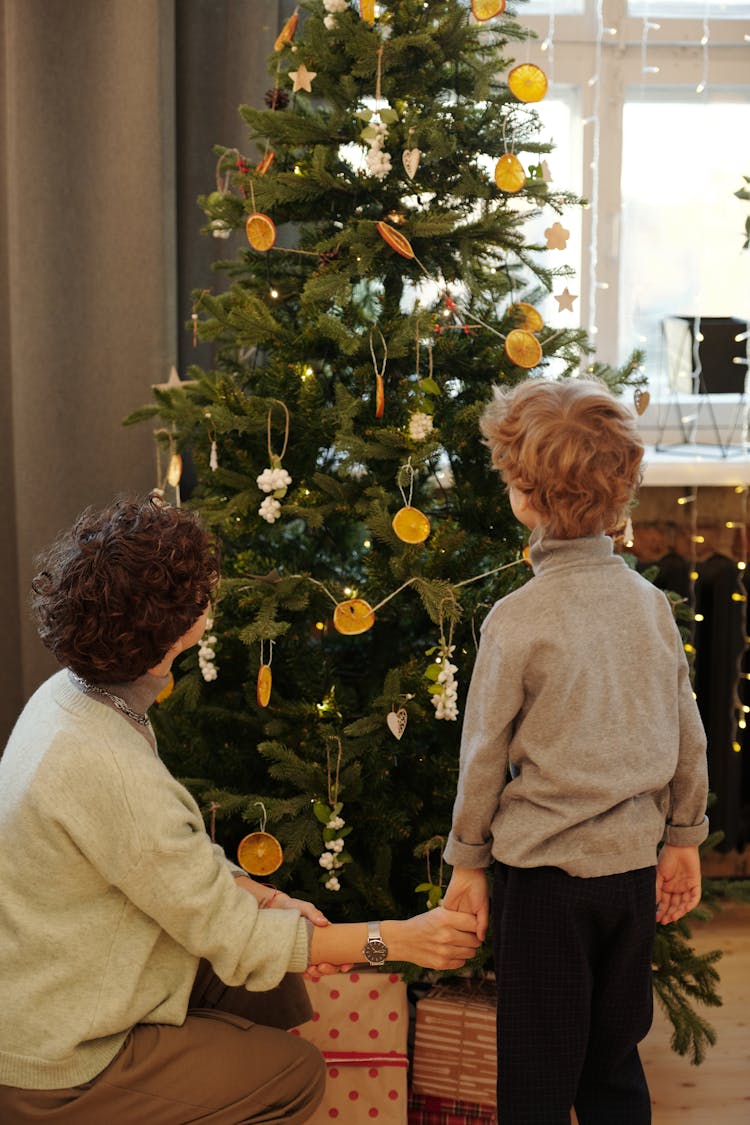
(571, 447)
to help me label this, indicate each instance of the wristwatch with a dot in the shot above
(375, 950)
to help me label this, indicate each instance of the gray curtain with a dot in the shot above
(111, 109)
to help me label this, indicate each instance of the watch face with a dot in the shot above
(376, 951)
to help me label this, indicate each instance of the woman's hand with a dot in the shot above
(437, 939)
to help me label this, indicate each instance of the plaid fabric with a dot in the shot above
(426, 1109)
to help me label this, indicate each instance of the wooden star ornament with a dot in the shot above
(565, 300)
(174, 381)
(302, 78)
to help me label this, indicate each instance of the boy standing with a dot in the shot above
(581, 694)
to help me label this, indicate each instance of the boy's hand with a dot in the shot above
(468, 891)
(678, 882)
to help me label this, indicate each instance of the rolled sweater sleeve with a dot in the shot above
(687, 823)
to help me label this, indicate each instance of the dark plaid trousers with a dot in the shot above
(575, 997)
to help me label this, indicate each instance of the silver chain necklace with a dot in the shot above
(116, 701)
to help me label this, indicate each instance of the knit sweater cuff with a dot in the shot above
(458, 854)
(300, 957)
(686, 836)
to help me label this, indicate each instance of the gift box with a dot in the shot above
(360, 1023)
(455, 1052)
(427, 1109)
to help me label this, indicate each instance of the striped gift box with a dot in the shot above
(454, 1043)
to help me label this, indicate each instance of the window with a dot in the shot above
(661, 136)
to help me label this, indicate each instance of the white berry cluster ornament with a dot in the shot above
(274, 480)
(333, 8)
(376, 129)
(207, 653)
(333, 857)
(420, 425)
(443, 689)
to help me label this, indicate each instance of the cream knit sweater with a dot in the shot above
(581, 692)
(110, 892)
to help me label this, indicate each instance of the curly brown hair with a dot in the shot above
(571, 447)
(116, 591)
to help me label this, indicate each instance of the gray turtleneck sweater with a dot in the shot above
(582, 747)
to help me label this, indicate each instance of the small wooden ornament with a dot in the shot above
(410, 159)
(641, 400)
(396, 721)
(557, 236)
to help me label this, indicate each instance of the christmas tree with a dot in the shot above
(383, 285)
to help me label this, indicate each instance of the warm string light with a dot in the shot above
(648, 25)
(742, 709)
(595, 85)
(700, 88)
(548, 45)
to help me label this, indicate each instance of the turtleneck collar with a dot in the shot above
(547, 553)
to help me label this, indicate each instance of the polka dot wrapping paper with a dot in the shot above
(360, 1023)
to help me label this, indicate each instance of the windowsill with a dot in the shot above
(696, 440)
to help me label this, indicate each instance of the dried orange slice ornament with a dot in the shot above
(287, 32)
(522, 348)
(379, 395)
(260, 854)
(260, 231)
(353, 616)
(486, 9)
(528, 82)
(263, 689)
(526, 316)
(395, 239)
(509, 175)
(411, 525)
(367, 10)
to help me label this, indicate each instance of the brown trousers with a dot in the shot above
(219, 1068)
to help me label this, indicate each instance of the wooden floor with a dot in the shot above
(718, 1091)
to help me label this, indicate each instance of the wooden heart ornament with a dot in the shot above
(641, 400)
(396, 721)
(410, 158)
